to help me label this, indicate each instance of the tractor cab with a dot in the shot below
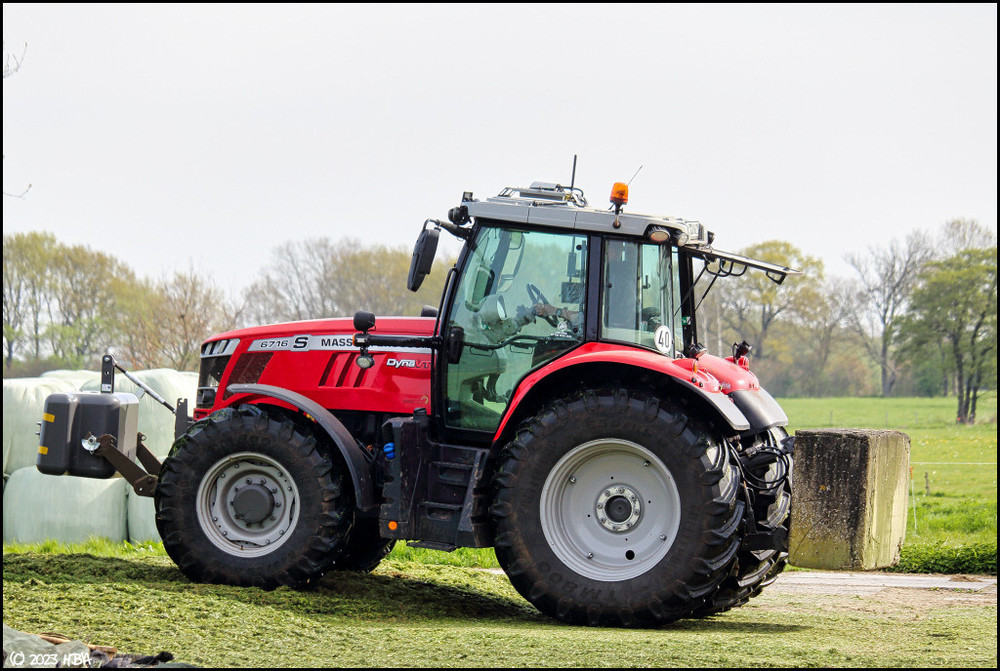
(543, 273)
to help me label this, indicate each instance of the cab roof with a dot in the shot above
(555, 206)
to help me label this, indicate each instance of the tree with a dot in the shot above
(84, 311)
(956, 302)
(752, 304)
(11, 66)
(169, 319)
(317, 278)
(26, 289)
(887, 277)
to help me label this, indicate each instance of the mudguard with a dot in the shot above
(760, 408)
(699, 383)
(358, 461)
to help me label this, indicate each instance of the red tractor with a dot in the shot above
(556, 407)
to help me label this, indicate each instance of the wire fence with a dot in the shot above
(952, 469)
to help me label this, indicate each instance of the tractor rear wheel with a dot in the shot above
(250, 498)
(613, 508)
(766, 468)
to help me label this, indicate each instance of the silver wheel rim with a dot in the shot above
(610, 510)
(230, 522)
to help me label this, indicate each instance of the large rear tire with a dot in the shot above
(766, 469)
(613, 508)
(247, 498)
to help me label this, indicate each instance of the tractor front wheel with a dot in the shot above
(247, 498)
(613, 508)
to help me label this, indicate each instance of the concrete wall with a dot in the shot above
(849, 498)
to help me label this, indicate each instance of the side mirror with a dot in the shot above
(423, 256)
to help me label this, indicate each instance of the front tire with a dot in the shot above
(247, 498)
(364, 549)
(612, 508)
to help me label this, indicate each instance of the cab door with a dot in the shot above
(520, 301)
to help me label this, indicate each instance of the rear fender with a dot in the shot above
(604, 362)
(359, 462)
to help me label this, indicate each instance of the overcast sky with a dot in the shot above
(206, 135)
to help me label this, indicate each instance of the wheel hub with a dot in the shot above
(247, 504)
(618, 508)
(253, 503)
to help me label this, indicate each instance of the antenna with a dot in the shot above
(629, 182)
(572, 179)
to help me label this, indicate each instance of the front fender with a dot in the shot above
(358, 461)
(699, 383)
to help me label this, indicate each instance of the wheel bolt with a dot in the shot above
(572, 480)
(225, 533)
(590, 555)
(646, 463)
(249, 481)
(662, 537)
(277, 504)
(600, 506)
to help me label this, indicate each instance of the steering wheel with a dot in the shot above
(537, 297)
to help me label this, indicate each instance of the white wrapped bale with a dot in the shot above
(39, 507)
(77, 377)
(141, 518)
(155, 421)
(23, 403)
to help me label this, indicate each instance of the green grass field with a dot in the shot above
(409, 614)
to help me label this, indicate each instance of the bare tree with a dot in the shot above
(169, 319)
(11, 66)
(12, 62)
(887, 277)
(751, 306)
(959, 235)
(317, 278)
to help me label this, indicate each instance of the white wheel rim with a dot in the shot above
(610, 510)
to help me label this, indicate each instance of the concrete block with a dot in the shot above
(849, 497)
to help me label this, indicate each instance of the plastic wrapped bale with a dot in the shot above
(155, 421)
(141, 518)
(39, 507)
(77, 377)
(23, 403)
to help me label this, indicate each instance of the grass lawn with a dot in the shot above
(418, 615)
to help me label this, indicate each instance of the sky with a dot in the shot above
(203, 136)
